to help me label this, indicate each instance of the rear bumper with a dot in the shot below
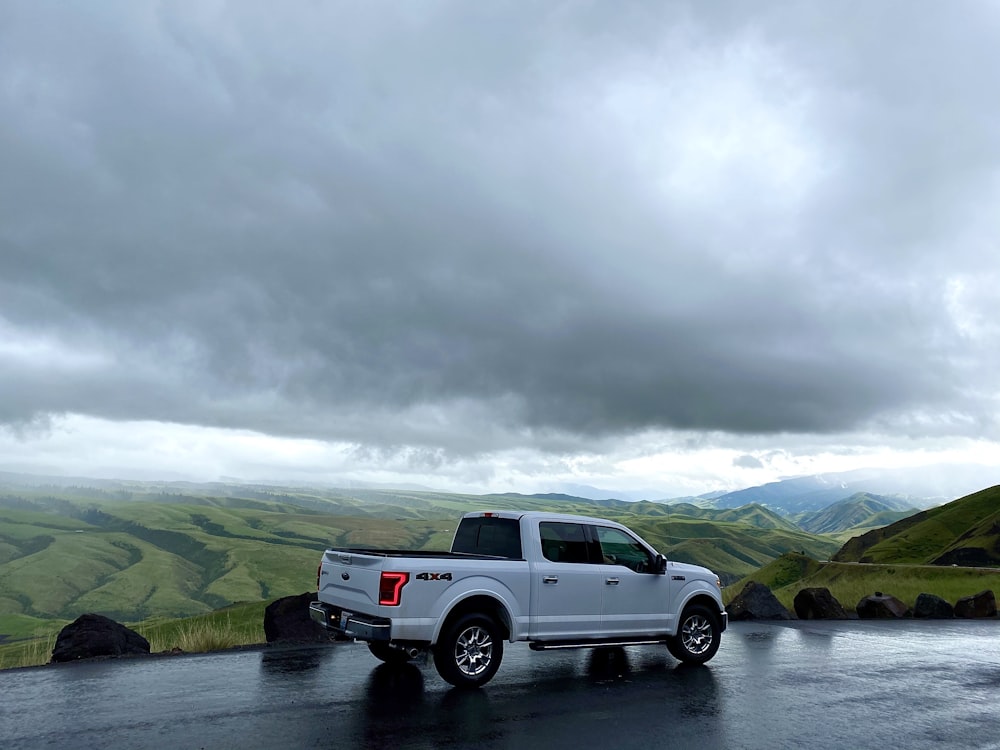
(351, 624)
(723, 621)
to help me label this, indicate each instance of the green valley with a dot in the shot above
(135, 551)
(141, 552)
(951, 551)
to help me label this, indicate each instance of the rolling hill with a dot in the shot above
(861, 511)
(963, 532)
(135, 550)
(131, 560)
(752, 515)
(952, 551)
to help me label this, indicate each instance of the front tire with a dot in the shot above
(384, 652)
(469, 651)
(698, 635)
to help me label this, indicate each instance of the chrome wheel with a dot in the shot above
(473, 651)
(697, 635)
(470, 650)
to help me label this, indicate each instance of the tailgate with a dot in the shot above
(350, 580)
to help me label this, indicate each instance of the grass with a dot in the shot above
(199, 635)
(30, 653)
(31, 640)
(849, 582)
(238, 625)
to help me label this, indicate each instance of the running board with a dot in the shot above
(553, 645)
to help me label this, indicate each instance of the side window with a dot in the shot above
(618, 548)
(564, 542)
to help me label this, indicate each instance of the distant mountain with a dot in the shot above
(919, 487)
(798, 495)
(963, 532)
(859, 511)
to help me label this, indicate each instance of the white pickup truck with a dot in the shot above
(554, 580)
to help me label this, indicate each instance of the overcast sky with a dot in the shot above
(491, 246)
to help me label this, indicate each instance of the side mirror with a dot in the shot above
(661, 565)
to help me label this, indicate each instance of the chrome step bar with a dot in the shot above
(554, 645)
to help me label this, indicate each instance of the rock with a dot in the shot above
(983, 604)
(881, 606)
(933, 607)
(756, 602)
(287, 619)
(818, 604)
(93, 635)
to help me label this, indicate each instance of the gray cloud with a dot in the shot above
(748, 462)
(465, 227)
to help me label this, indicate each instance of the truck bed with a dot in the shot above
(427, 554)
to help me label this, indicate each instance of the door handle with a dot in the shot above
(612, 582)
(550, 579)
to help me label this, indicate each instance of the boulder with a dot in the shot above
(287, 619)
(93, 635)
(933, 607)
(818, 604)
(983, 604)
(756, 602)
(881, 606)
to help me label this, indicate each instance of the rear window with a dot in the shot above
(500, 537)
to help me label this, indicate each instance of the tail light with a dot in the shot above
(390, 588)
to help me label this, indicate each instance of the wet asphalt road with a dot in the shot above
(842, 685)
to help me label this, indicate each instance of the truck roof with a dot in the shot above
(539, 514)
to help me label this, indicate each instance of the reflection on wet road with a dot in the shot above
(793, 685)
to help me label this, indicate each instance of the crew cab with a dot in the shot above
(553, 580)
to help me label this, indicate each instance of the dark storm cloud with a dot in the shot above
(472, 225)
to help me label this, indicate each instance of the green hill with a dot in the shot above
(756, 515)
(753, 515)
(932, 551)
(861, 511)
(133, 560)
(134, 550)
(963, 532)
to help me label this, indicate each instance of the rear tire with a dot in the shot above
(698, 635)
(384, 652)
(469, 651)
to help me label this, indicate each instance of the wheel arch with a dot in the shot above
(704, 599)
(478, 604)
